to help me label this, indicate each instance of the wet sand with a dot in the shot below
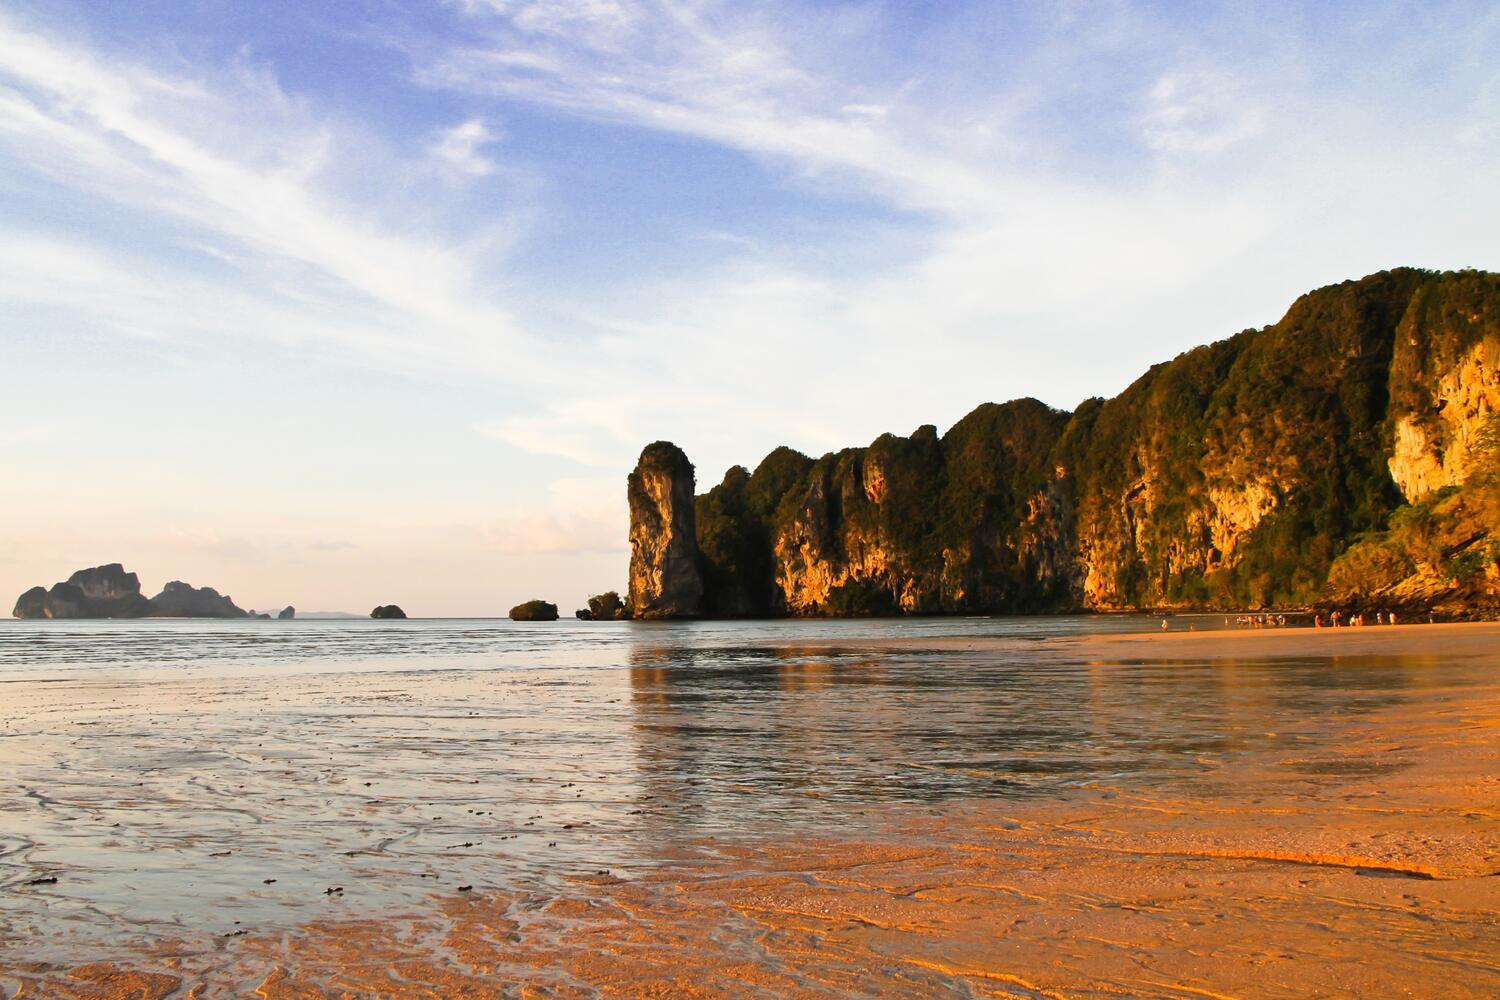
(1360, 863)
(1443, 640)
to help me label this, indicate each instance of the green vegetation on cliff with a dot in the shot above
(1237, 474)
(1441, 551)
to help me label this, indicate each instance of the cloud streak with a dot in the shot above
(240, 168)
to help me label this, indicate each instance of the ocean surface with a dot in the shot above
(191, 778)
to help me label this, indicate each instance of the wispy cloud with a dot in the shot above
(712, 71)
(244, 171)
(1167, 166)
(1188, 112)
(460, 148)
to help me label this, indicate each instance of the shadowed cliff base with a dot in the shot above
(1348, 454)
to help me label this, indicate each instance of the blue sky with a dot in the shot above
(341, 304)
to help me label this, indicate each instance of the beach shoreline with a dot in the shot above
(1354, 854)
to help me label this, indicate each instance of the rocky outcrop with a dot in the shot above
(287, 613)
(32, 604)
(101, 592)
(1234, 475)
(1445, 384)
(605, 607)
(111, 592)
(534, 611)
(665, 579)
(182, 600)
(387, 611)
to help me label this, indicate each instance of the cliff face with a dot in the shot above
(1234, 475)
(1445, 384)
(665, 581)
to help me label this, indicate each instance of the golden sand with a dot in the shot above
(1365, 868)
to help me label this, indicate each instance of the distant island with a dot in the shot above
(534, 611)
(110, 592)
(1345, 455)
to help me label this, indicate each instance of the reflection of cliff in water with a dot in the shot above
(813, 730)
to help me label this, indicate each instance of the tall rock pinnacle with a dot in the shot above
(665, 581)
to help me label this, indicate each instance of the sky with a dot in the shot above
(377, 301)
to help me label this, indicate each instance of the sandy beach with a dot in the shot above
(1357, 861)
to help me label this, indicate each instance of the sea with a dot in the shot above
(170, 778)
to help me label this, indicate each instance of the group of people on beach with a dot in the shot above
(1334, 619)
(1259, 621)
(1354, 619)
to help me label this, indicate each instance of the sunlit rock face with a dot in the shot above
(665, 579)
(1233, 475)
(1445, 384)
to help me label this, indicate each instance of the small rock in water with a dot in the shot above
(466, 888)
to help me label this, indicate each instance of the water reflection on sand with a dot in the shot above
(179, 779)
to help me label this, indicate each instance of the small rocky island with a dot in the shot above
(605, 607)
(388, 611)
(534, 611)
(110, 592)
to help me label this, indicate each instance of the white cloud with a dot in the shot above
(704, 70)
(242, 168)
(1198, 113)
(460, 148)
(1115, 238)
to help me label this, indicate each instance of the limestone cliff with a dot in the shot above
(182, 600)
(665, 580)
(1445, 383)
(101, 592)
(1234, 475)
(110, 592)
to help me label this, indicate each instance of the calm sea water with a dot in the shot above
(175, 777)
(423, 644)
